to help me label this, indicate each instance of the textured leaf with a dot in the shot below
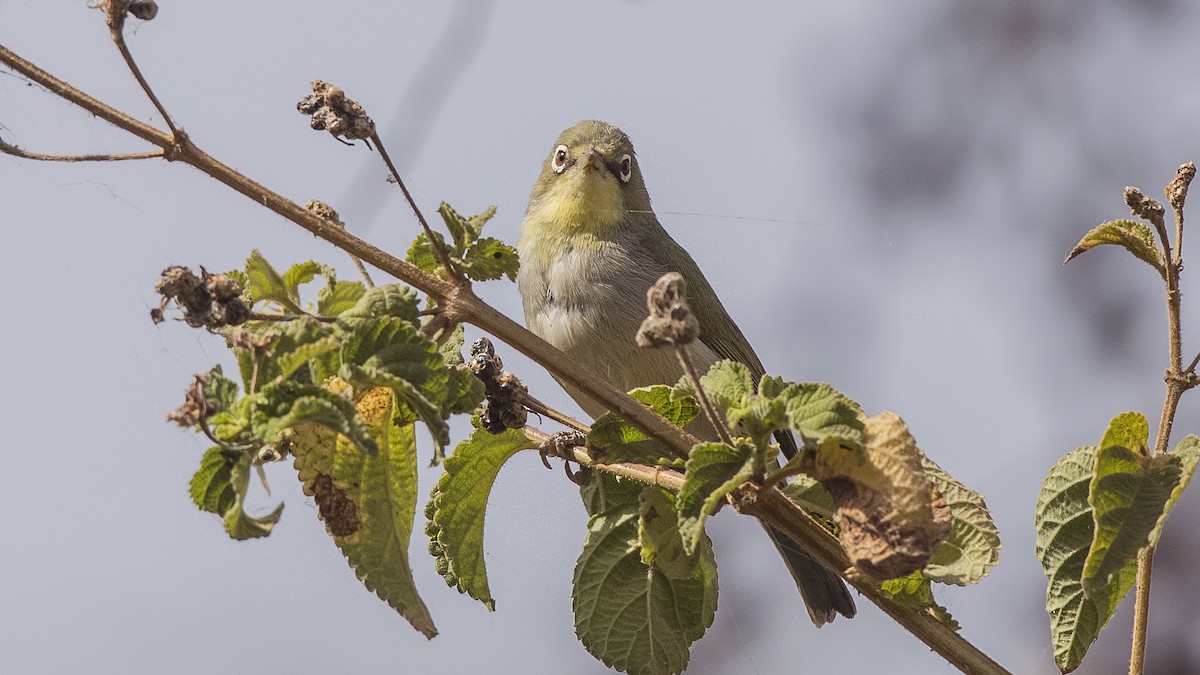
(1131, 496)
(221, 389)
(422, 255)
(239, 524)
(1131, 235)
(973, 547)
(460, 232)
(265, 284)
(914, 591)
(282, 407)
(427, 411)
(623, 442)
(300, 274)
(658, 533)
(476, 222)
(811, 495)
(634, 617)
(713, 471)
(458, 504)
(1187, 454)
(392, 346)
(888, 519)
(727, 383)
(489, 259)
(291, 361)
(339, 296)
(1065, 528)
(818, 413)
(369, 503)
(211, 487)
(382, 301)
(606, 491)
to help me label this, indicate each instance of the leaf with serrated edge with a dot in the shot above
(633, 617)
(489, 259)
(239, 524)
(460, 506)
(457, 225)
(1131, 496)
(1065, 528)
(265, 282)
(818, 412)
(1187, 453)
(658, 532)
(211, 487)
(279, 408)
(606, 491)
(339, 296)
(1132, 235)
(386, 498)
(300, 274)
(387, 300)
(713, 471)
(973, 547)
(727, 383)
(914, 591)
(623, 442)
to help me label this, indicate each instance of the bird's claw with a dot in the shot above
(558, 444)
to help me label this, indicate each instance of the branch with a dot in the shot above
(10, 149)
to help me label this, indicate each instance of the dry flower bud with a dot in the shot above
(1144, 207)
(1176, 191)
(671, 321)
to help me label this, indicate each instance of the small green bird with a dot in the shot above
(590, 246)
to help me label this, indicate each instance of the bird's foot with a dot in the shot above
(558, 444)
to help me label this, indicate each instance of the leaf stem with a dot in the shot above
(434, 242)
(689, 369)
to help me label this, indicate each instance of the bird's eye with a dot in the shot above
(559, 161)
(626, 168)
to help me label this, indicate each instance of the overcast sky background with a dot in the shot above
(882, 193)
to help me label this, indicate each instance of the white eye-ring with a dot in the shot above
(559, 159)
(626, 168)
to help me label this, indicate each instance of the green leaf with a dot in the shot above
(421, 254)
(819, 413)
(291, 361)
(634, 617)
(713, 471)
(1132, 235)
(387, 502)
(383, 301)
(339, 296)
(300, 274)
(451, 347)
(476, 222)
(368, 503)
(1187, 454)
(658, 533)
(426, 410)
(623, 442)
(811, 495)
(1131, 496)
(460, 231)
(489, 259)
(606, 491)
(277, 408)
(458, 504)
(914, 591)
(1065, 528)
(973, 547)
(727, 383)
(265, 284)
(221, 388)
(211, 487)
(239, 524)
(393, 346)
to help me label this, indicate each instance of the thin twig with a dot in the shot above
(689, 369)
(10, 149)
(116, 30)
(434, 242)
(539, 408)
(362, 269)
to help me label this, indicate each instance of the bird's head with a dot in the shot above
(590, 183)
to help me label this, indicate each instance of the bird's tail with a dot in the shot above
(824, 593)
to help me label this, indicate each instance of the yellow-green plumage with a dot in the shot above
(590, 246)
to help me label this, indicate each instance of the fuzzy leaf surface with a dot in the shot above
(1132, 235)
(634, 617)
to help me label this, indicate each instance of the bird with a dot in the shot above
(590, 245)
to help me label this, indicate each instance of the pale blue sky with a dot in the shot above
(880, 192)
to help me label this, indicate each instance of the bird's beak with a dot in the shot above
(592, 158)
